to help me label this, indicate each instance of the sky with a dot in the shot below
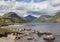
(30, 7)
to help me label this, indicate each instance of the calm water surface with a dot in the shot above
(52, 27)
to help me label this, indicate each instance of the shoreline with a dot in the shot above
(10, 38)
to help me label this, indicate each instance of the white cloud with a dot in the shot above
(32, 5)
(21, 8)
(54, 2)
(54, 6)
(7, 5)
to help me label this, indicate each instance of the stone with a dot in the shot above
(49, 37)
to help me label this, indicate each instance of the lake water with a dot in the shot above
(52, 27)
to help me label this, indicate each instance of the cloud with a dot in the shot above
(46, 7)
(7, 5)
(53, 7)
(28, 1)
(32, 7)
(36, 9)
(36, 12)
(54, 2)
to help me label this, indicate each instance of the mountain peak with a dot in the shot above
(9, 14)
(14, 16)
(30, 18)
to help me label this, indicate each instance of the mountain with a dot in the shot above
(56, 18)
(49, 19)
(14, 17)
(30, 18)
(43, 18)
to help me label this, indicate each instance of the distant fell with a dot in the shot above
(43, 18)
(30, 18)
(14, 17)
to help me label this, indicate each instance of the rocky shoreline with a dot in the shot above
(10, 38)
(26, 32)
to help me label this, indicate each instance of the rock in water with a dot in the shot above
(30, 38)
(49, 37)
(39, 33)
(48, 33)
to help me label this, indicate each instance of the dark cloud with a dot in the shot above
(55, 5)
(36, 12)
(20, 8)
(39, 0)
(24, 1)
(2, 7)
(28, 1)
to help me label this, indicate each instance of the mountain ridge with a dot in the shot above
(30, 18)
(43, 18)
(12, 17)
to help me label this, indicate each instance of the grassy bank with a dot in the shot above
(3, 31)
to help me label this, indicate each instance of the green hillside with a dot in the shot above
(45, 19)
(56, 18)
(11, 18)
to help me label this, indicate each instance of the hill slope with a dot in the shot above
(14, 17)
(30, 18)
(56, 18)
(43, 18)
(49, 19)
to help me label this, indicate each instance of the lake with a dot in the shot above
(51, 27)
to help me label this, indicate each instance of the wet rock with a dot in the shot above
(11, 36)
(34, 32)
(30, 38)
(27, 29)
(40, 33)
(48, 33)
(26, 33)
(18, 37)
(49, 37)
(5, 34)
(1, 35)
(21, 32)
(21, 29)
(14, 33)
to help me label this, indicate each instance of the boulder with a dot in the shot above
(49, 37)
